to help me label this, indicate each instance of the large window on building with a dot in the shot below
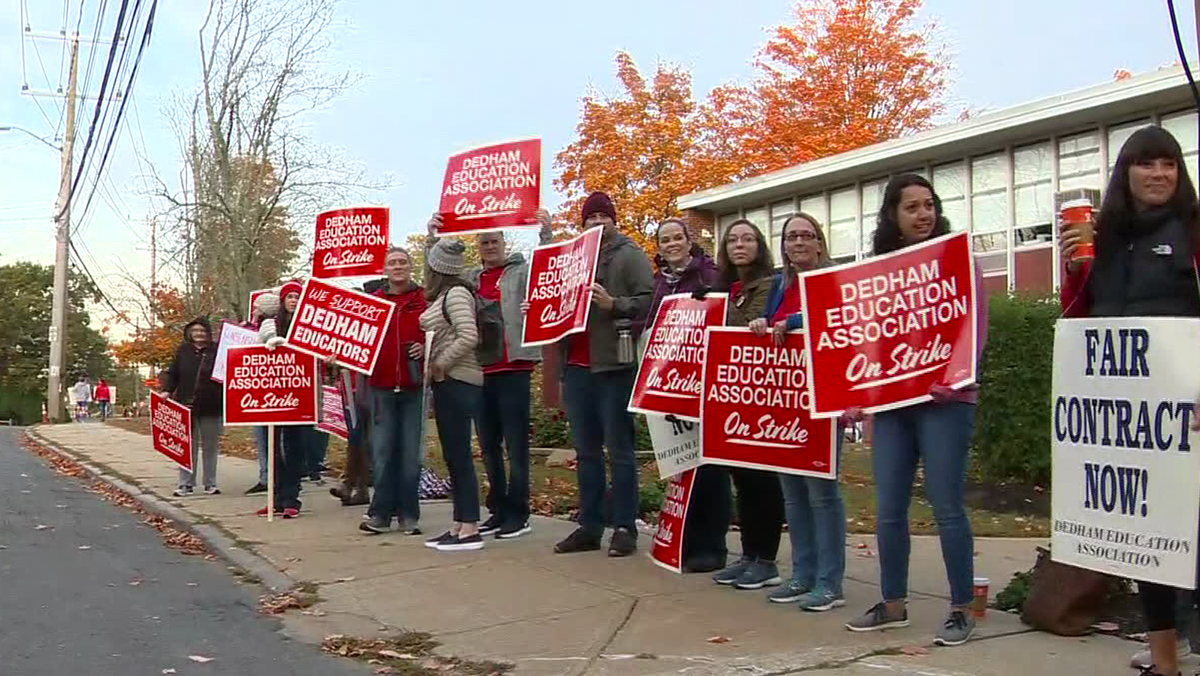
(1118, 135)
(1033, 168)
(1183, 127)
(780, 211)
(723, 223)
(950, 182)
(814, 205)
(1079, 161)
(872, 198)
(843, 223)
(989, 201)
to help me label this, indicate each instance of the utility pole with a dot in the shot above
(62, 240)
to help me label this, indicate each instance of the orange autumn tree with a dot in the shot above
(156, 345)
(846, 74)
(638, 147)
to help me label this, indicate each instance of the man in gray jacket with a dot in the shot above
(598, 377)
(503, 416)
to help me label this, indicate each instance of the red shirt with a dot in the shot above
(489, 288)
(393, 367)
(579, 350)
(791, 303)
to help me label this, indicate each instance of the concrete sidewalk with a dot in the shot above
(516, 601)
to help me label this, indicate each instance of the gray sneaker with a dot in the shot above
(790, 592)
(819, 600)
(877, 618)
(759, 574)
(957, 628)
(730, 574)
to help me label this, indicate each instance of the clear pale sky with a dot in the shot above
(443, 76)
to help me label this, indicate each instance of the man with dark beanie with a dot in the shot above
(597, 380)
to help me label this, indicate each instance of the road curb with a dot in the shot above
(270, 577)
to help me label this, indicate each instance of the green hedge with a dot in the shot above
(1012, 437)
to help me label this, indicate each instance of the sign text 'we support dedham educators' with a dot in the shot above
(1126, 493)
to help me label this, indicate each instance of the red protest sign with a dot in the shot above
(490, 187)
(333, 415)
(755, 407)
(347, 325)
(667, 547)
(270, 387)
(668, 379)
(171, 427)
(560, 288)
(882, 331)
(351, 242)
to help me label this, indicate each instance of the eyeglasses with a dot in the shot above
(744, 239)
(803, 235)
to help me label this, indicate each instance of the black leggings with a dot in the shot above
(1158, 604)
(760, 511)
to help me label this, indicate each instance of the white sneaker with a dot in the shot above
(1143, 660)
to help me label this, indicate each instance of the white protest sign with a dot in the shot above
(676, 444)
(1126, 493)
(231, 335)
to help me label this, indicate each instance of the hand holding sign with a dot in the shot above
(601, 298)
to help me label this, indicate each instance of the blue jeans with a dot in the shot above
(318, 447)
(396, 453)
(454, 404)
(289, 464)
(260, 441)
(595, 404)
(938, 435)
(816, 517)
(503, 421)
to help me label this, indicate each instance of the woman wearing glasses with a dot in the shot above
(816, 514)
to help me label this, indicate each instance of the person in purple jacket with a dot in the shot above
(684, 267)
(936, 434)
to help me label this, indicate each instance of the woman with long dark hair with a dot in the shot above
(815, 511)
(935, 434)
(746, 272)
(1147, 240)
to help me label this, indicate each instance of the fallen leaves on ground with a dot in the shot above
(1106, 627)
(406, 653)
(277, 604)
(172, 536)
(914, 651)
(42, 526)
(200, 659)
(718, 639)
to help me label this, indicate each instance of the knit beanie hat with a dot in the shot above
(291, 287)
(598, 202)
(446, 257)
(267, 305)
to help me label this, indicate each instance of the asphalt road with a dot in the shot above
(67, 605)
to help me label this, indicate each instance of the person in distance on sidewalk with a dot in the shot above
(189, 382)
(597, 380)
(457, 383)
(289, 439)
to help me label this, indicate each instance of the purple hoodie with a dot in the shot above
(701, 273)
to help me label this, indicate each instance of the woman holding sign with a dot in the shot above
(816, 513)
(457, 386)
(746, 271)
(684, 267)
(936, 434)
(1143, 263)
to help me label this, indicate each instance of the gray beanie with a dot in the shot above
(446, 257)
(267, 304)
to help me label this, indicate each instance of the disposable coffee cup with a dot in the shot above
(1078, 214)
(980, 600)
